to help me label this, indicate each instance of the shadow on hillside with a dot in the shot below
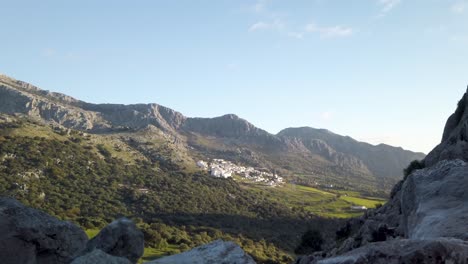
(282, 231)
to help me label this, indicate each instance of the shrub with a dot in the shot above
(414, 165)
(104, 151)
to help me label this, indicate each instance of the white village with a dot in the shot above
(225, 169)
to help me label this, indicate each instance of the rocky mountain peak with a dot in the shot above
(228, 126)
(231, 116)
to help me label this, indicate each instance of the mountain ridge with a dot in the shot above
(297, 151)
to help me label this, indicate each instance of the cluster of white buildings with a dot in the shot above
(224, 169)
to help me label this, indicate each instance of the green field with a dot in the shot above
(92, 232)
(326, 203)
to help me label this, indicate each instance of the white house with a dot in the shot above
(218, 172)
(202, 165)
(358, 208)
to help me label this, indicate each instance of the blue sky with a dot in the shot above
(386, 71)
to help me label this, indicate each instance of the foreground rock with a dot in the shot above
(434, 202)
(30, 236)
(403, 251)
(121, 238)
(97, 256)
(217, 252)
(425, 220)
(428, 207)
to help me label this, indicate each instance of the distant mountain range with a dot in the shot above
(306, 155)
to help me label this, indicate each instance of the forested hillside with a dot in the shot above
(67, 174)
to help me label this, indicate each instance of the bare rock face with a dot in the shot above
(30, 236)
(98, 256)
(434, 202)
(17, 97)
(120, 238)
(454, 143)
(217, 252)
(403, 251)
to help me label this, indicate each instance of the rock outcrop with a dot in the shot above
(425, 220)
(454, 143)
(434, 202)
(31, 236)
(17, 97)
(217, 252)
(120, 238)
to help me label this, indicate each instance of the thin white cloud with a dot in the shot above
(330, 32)
(459, 7)
(274, 22)
(261, 25)
(388, 5)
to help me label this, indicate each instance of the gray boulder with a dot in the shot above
(217, 252)
(434, 202)
(99, 257)
(31, 236)
(120, 238)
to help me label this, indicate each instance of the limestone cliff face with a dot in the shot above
(138, 115)
(14, 101)
(19, 97)
(233, 130)
(455, 138)
(382, 160)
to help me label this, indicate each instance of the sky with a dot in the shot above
(380, 71)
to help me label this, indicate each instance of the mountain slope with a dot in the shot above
(381, 160)
(307, 155)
